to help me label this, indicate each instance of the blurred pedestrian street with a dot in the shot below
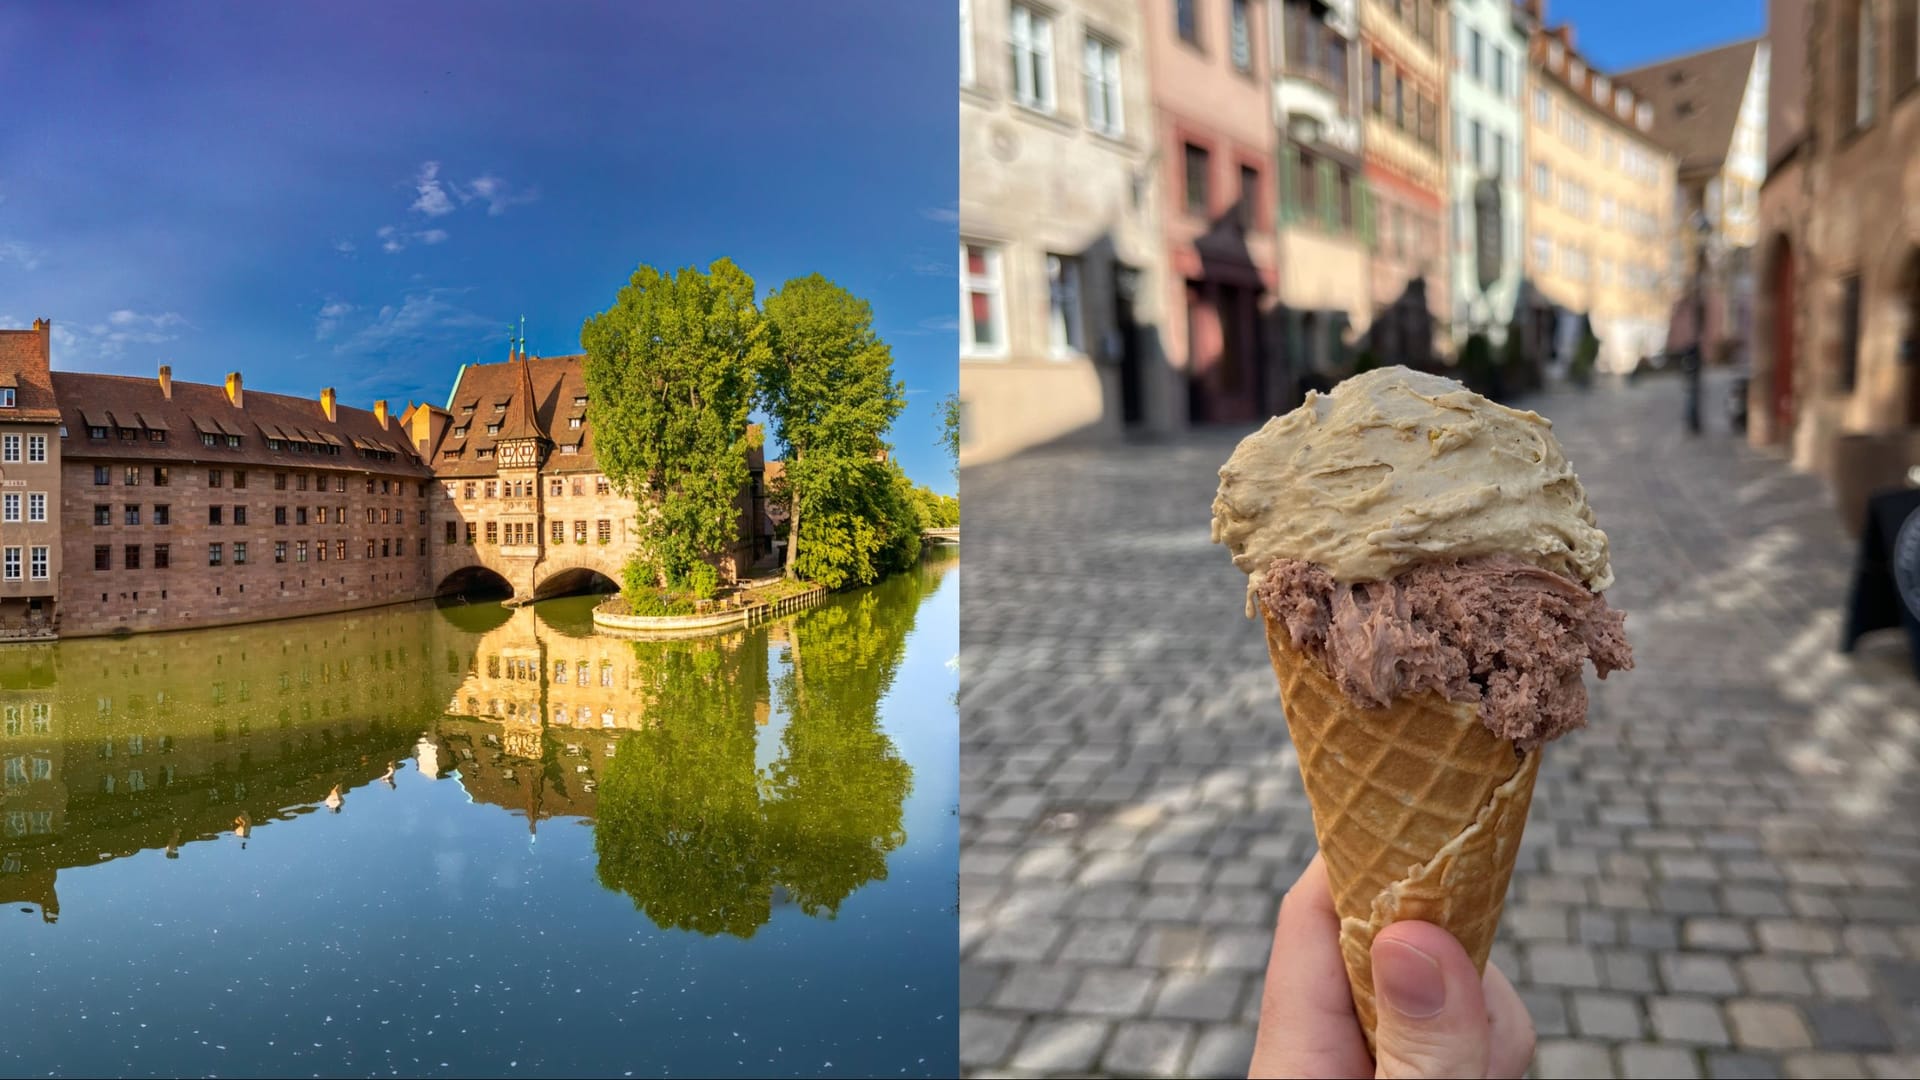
(1719, 874)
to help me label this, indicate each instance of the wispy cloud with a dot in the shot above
(17, 253)
(345, 247)
(421, 319)
(432, 200)
(329, 318)
(927, 266)
(497, 193)
(109, 339)
(934, 324)
(945, 215)
(395, 239)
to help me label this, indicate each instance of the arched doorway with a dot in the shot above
(471, 583)
(574, 582)
(1780, 297)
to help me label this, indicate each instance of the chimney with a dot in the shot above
(166, 381)
(234, 392)
(44, 330)
(326, 403)
(380, 413)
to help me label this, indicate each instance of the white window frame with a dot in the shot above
(1542, 180)
(39, 557)
(10, 506)
(12, 564)
(1542, 252)
(1542, 107)
(10, 448)
(36, 506)
(1100, 68)
(966, 43)
(1240, 35)
(1066, 304)
(7, 397)
(1030, 48)
(37, 449)
(993, 283)
(1864, 82)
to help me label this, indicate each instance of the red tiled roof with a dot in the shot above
(22, 356)
(120, 401)
(1696, 101)
(549, 384)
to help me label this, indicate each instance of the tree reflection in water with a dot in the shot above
(700, 837)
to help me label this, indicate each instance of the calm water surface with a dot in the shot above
(733, 856)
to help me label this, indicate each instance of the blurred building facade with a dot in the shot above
(1600, 208)
(1710, 112)
(1404, 137)
(1208, 76)
(1486, 86)
(1063, 285)
(1325, 203)
(1842, 305)
(1779, 339)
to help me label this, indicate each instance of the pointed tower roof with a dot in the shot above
(523, 417)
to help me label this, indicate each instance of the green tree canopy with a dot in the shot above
(827, 383)
(669, 372)
(948, 414)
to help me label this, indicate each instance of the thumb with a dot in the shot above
(1432, 1009)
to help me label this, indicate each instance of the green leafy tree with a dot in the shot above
(669, 375)
(948, 415)
(827, 382)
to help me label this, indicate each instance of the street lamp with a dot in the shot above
(1696, 357)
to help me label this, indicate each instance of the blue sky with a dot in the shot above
(366, 195)
(1620, 34)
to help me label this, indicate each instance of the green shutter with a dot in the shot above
(1329, 197)
(1289, 198)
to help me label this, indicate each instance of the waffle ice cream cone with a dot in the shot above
(1418, 810)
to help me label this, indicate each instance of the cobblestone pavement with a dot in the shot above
(1719, 872)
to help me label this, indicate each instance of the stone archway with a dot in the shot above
(573, 581)
(475, 583)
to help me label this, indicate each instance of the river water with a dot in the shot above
(729, 856)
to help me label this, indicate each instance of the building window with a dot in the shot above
(1249, 202)
(1064, 328)
(162, 514)
(604, 530)
(1849, 335)
(132, 556)
(1475, 68)
(579, 532)
(215, 553)
(213, 478)
(299, 551)
(557, 531)
(1542, 180)
(213, 515)
(1198, 165)
(1375, 86)
(339, 549)
(1030, 39)
(1543, 253)
(300, 481)
(13, 564)
(239, 515)
(102, 557)
(1240, 43)
(1500, 72)
(1100, 66)
(130, 477)
(279, 481)
(982, 305)
(604, 486)
(1499, 154)
(162, 476)
(131, 514)
(1187, 21)
(1542, 107)
(96, 432)
(101, 476)
(37, 506)
(10, 447)
(102, 515)
(6, 399)
(10, 506)
(493, 536)
(1399, 101)
(279, 551)
(1475, 134)
(38, 565)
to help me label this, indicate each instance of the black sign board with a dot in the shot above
(1886, 578)
(1488, 248)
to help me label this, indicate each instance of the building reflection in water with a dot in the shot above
(724, 775)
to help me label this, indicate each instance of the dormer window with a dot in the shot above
(1556, 55)
(6, 397)
(493, 429)
(275, 444)
(129, 434)
(206, 439)
(233, 442)
(96, 432)
(1643, 116)
(575, 421)
(157, 436)
(1601, 89)
(460, 432)
(581, 400)
(1577, 71)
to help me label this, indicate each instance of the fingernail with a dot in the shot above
(1409, 980)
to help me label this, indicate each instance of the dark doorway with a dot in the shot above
(1133, 404)
(1910, 338)
(1780, 295)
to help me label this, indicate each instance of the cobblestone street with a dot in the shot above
(1719, 872)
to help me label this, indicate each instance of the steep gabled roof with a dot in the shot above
(1696, 101)
(523, 417)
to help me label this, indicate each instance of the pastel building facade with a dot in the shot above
(1486, 87)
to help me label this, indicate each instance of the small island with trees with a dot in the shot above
(676, 367)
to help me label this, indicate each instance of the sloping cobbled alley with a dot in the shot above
(1718, 877)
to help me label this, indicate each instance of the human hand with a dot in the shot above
(1438, 1018)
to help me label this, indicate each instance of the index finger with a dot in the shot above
(1307, 1024)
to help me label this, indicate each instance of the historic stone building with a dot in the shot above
(1841, 303)
(1486, 87)
(1061, 262)
(184, 504)
(519, 496)
(1600, 206)
(1404, 137)
(30, 445)
(1780, 270)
